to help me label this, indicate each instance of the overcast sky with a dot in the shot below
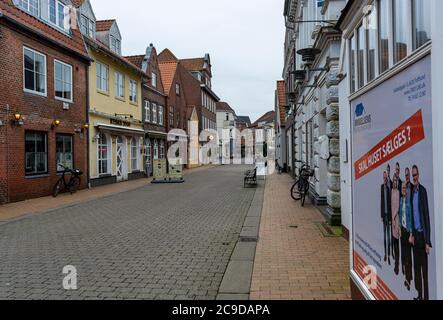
(244, 38)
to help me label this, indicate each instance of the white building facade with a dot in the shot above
(391, 139)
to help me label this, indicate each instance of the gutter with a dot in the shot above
(42, 35)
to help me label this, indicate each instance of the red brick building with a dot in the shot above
(154, 108)
(43, 99)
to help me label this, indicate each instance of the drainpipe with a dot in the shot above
(87, 131)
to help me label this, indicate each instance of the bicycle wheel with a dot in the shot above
(74, 184)
(304, 193)
(57, 188)
(295, 191)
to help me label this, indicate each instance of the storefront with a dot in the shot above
(391, 147)
(116, 151)
(155, 144)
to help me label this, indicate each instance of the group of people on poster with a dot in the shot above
(406, 227)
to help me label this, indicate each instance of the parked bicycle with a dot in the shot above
(71, 185)
(300, 188)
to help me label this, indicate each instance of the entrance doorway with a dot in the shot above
(122, 173)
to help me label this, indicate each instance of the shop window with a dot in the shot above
(383, 29)
(64, 152)
(103, 154)
(36, 153)
(34, 71)
(134, 154)
(421, 10)
(401, 30)
(162, 149)
(148, 152)
(155, 150)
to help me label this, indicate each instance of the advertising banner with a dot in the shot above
(393, 196)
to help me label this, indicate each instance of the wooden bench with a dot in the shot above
(250, 178)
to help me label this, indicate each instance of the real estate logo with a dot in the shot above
(363, 120)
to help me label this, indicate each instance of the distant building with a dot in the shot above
(280, 126)
(226, 122)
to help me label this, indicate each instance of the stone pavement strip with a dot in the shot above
(294, 261)
(155, 242)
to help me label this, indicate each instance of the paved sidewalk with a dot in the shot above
(294, 261)
(15, 210)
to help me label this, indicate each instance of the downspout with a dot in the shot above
(87, 131)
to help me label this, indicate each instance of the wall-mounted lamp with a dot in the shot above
(85, 127)
(55, 123)
(18, 119)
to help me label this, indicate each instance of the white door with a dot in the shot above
(121, 160)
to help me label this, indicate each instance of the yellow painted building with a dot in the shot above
(116, 145)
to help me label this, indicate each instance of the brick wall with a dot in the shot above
(38, 114)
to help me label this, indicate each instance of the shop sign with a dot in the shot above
(122, 123)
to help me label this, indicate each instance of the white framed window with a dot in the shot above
(421, 23)
(162, 149)
(64, 152)
(103, 155)
(115, 44)
(371, 43)
(352, 64)
(147, 111)
(160, 115)
(34, 72)
(102, 75)
(154, 113)
(171, 116)
(87, 26)
(401, 30)
(384, 21)
(133, 91)
(134, 154)
(63, 81)
(119, 85)
(59, 14)
(177, 89)
(36, 153)
(154, 79)
(361, 46)
(31, 6)
(155, 150)
(148, 152)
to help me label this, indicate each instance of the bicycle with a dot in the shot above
(72, 185)
(301, 187)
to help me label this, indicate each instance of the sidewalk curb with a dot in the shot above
(236, 282)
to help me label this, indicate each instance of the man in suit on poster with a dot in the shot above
(386, 216)
(421, 235)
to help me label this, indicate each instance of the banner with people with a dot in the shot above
(393, 196)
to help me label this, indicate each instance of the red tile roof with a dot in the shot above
(136, 60)
(168, 71)
(104, 25)
(281, 97)
(73, 42)
(166, 56)
(77, 3)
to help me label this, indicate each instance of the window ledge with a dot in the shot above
(36, 93)
(105, 93)
(135, 104)
(120, 99)
(64, 100)
(39, 176)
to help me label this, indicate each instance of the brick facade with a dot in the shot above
(38, 113)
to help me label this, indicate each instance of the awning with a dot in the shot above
(120, 129)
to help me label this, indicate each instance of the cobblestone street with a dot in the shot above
(155, 242)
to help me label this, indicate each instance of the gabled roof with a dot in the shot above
(267, 117)
(77, 3)
(224, 106)
(168, 71)
(73, 43)
(97, 45)
(104, 25)
(281, 101)
(194, 64)
(244, 119)
(166, 56)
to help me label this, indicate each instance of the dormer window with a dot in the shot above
(87, 26)
(115, 44)
(59, 14)
(30, 6)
